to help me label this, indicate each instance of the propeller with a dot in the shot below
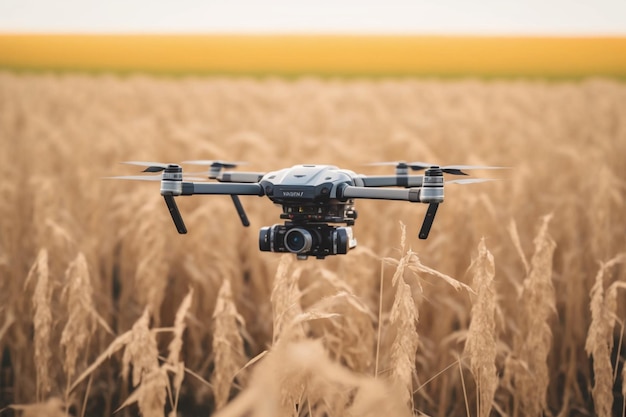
(150, 166)
(471, 180)
(154, 167)
(150, 178)
(216, 163)
(448, 169)
(215, 167)
(172, 174)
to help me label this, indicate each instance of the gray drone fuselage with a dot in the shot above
(306, 184)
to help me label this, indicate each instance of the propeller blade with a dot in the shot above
(151, 178)
(215, 163)
(448, 169)
(472, 167)
(428, 220)
(471, 180)
(136, 177)
(150, 166)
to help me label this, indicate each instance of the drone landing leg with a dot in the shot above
(428, 220)
(240, 210)
(178, 219)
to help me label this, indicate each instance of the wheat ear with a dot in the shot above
(481, 338)
(227, 345)
(403, 319)
(42, 298)
(149, 379)
(600, 337)
(527, 365)
(175, 346)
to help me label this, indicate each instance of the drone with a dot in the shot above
(317, 200)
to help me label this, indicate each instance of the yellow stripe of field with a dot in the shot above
(318, 54)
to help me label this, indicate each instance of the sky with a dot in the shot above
(482, 17)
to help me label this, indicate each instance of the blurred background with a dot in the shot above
(373, 38)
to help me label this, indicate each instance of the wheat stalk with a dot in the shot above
(175, 346)
(403, 319)
(329, 388)
(228, 350)
(82, 319)
(481, 340)
(149, 379)
(285, 299)
(150, 393)
(350, 336)
(527, 363)
(42, 298)
(600, 337)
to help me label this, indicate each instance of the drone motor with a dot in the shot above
(172, 180)
(432, 186)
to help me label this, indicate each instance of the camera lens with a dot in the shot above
(298, 240)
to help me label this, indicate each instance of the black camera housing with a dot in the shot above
(310, 239)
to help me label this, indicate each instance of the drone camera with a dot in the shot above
(319, 240)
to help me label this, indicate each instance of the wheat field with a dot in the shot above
(321, 54)
(514, 306)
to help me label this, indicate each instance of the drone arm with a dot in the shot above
(246, 177)
(410, 194)
(234, 190)
(393, 181)
(349, 191)
(191, 188)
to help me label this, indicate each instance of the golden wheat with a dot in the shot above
(317, 337)
(481, 336)
(227, 345)
(600, 336)
(175, 347)
(42, 298)
(528, 366)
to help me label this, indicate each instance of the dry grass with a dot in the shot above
(600, 341)
(227, 345)
(527, 367)
(42, 322)
(104, 307)
(481, 343)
